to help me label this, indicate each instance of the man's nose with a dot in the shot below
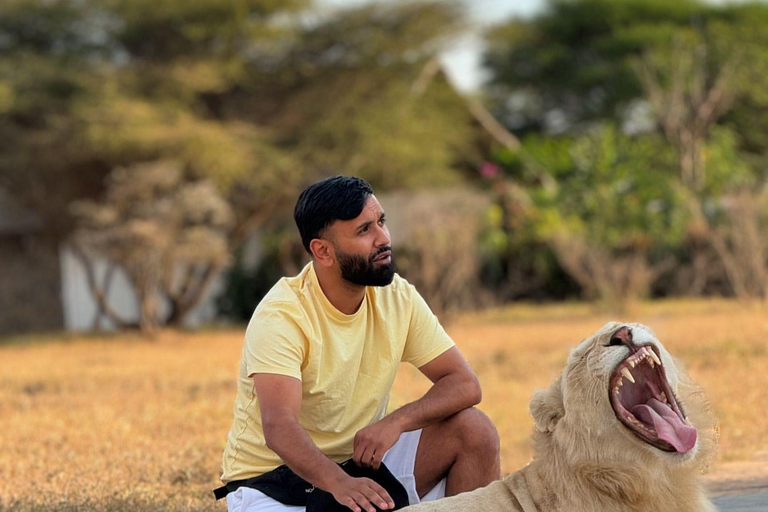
(382, 236)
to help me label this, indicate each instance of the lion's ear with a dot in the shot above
(546, 407)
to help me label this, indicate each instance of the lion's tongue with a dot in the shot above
(668, 425)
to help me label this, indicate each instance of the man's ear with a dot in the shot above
(322, 251)
(546, 407)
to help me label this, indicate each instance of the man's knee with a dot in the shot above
(476, 431)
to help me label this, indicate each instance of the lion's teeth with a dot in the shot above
(627, 375)
(664, 397)
(632, 364)
(655, 357)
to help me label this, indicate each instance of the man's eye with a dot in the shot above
(382, 221)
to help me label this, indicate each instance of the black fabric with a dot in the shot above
(280, 484)
(322, 501)
(288, 488)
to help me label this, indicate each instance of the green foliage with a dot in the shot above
(727, 169)
(613, 189)
(588, 42)
(363, 101)
(377, 129)
(517, 261)
(236, 91)
(575, 59)
(246, 286)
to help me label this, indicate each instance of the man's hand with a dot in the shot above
(373, 441)
(361, 494)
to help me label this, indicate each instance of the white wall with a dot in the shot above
(80, 307)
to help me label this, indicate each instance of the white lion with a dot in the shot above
(621, 429)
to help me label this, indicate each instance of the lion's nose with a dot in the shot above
(624, 335)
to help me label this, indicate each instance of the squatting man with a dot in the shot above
(318, 362)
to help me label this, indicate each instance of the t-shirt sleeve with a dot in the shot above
(274, 343)
(426, 337)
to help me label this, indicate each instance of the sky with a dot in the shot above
(462, 60)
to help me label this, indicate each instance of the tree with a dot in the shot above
(596, 44)
(168, 235)
(612, 212)
(89, 86)
(587, 41)
(686, 74)
(363, 97)
(256, 106)
(740, 239)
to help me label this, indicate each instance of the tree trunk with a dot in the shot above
(97, 292)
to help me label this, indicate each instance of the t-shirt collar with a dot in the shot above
(329, 308)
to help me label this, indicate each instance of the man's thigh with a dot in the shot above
(400, 460)
(246, 499)
(468, 434)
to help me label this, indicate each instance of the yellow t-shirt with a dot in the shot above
(346, 364)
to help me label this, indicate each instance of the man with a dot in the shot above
(320, 355)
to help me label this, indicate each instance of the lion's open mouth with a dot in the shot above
(644, 403)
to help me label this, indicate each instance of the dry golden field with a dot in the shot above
(120, 423)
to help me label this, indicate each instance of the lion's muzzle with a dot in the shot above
(644, 402)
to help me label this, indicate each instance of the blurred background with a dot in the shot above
(549, 163)
(151, 152)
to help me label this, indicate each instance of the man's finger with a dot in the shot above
(365, 457)
(364, 502)
(359, 454)
(350, 504)
(375, 460)
(376, 494)
(381, 491)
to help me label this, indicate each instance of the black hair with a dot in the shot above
(329, 200)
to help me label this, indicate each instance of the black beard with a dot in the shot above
(363, 271)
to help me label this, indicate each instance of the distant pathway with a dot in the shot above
(740, 486)
(752, 502)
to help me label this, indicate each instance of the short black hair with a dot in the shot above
(329, 200)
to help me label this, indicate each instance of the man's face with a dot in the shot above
(362, 247)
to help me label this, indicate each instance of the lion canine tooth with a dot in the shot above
(632, 364)
(627, 375)
(655, 357)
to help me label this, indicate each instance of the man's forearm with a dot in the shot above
(292, 443)
(449, 395)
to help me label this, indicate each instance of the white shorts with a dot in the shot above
(399, 459)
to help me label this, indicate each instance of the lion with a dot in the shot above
(623, 428)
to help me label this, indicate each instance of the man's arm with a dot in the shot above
(454, 388)
(280, 403)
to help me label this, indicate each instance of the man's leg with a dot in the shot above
(463, 449)
(246, 499)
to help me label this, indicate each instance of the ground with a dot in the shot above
(118, 423)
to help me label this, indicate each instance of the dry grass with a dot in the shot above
(118, 423)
